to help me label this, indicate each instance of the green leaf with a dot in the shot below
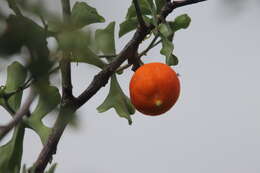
(172, 60)
(75, 121)
(48, 100)
(11, 153)
(92, 45)
(159, 5)
(151, 5)
(56, 25)
(40, 129)
(128, 26)
(82, 14)
(105, 39)
(118, 100)
(152, 8)
(22, 31)
(144, 9)
(165, 30)
(131, 24)
(180, 22)
(28, 33)
(13, 37)
(89, 57)
(77, 42)
(16, 75)
(45, 105)
(167, 48)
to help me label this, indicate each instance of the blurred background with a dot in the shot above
(215, 125)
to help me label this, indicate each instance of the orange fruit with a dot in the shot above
(154, 88)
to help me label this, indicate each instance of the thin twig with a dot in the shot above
(151, 45)
(18, 116)
(177, 4)
(139, 14)
(133, 58)
(12, 4)
(43, 22)
(45, 25)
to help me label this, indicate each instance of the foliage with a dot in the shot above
(76, 43)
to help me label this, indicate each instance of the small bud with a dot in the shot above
(181, 22)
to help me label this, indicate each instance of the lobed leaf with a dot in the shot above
(76, 42)
(131, 24)
(48, 100)
(153, 11)
(127, 26)
(92, 42)
(105, 39)
(144, 9)
(118, 100)
(13, 37)
(82, 14)
(16, 75)
(165, 30)
(159, 4)
(11, 153)
(22, 31)
(167, 48)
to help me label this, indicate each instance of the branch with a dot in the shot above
(102, 77)
(133, 58)
(151, 45)
(18, 117)
(100, 80)
(66, 108)
(177, 4)
(50, 146)
(65, 61)
(139, 14)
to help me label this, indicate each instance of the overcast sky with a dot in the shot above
(213, 128)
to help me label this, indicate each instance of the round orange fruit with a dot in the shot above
(154, 88)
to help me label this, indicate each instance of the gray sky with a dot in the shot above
(215, 125)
